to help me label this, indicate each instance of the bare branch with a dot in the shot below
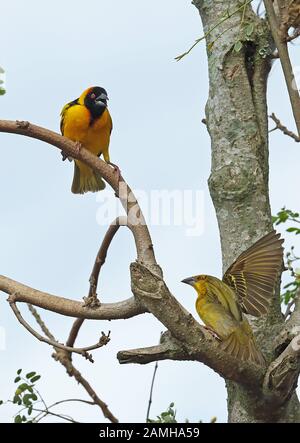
(151, 391)
(45, 413)
(104, 339)
(107, 311)
(65, 359)
(168, 349)
(283, 128)
(74, 331)
(285, 61)
(91, 299)
(41, 324)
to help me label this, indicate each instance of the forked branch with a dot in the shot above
(187, 340)
(104, 339)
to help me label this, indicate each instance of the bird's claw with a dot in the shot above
(212, 332)
(78, 146)
(65, 156)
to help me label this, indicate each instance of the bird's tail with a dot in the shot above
(85, 179)
(241, 344)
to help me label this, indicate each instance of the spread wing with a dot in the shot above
(254, 274)
(63, 113)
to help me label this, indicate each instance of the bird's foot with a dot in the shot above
(65, 156)
(78, 147)
(212, 332)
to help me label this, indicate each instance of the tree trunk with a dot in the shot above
(236, 115)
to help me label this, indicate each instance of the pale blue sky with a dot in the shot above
(49, 237)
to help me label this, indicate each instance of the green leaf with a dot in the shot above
(36, 378)
(22, 387)
(29, 410)
(34, 397)
(293, 230)
(26, 400)
(18, 419)
(249, 29)
(19, 371)
(238, 46)
(1, 402)
(17, 379)
(30, 374)
(16, 398)
(24, 418)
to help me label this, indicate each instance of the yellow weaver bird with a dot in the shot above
(87, 121)
(247, 286)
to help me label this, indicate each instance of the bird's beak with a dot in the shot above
(189, 281)
(102, 98)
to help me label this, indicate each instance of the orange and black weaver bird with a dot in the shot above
(87, 121)
(247, 286)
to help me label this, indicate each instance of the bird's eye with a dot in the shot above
(93, 96)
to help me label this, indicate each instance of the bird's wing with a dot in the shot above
(253, 275)
(63, 113)
(220, 294)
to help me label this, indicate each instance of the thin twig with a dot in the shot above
(74, 331)
(40, 322)
(229, 15)
(91, 299)
(41, 397)
(285, 61)
(151, 391)
(73, 372)
(65, 359)
(283, 128)
(152, 386)
(79, 400)
(104, 339)
(64, 417)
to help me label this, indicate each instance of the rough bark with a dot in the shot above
(236, 115)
